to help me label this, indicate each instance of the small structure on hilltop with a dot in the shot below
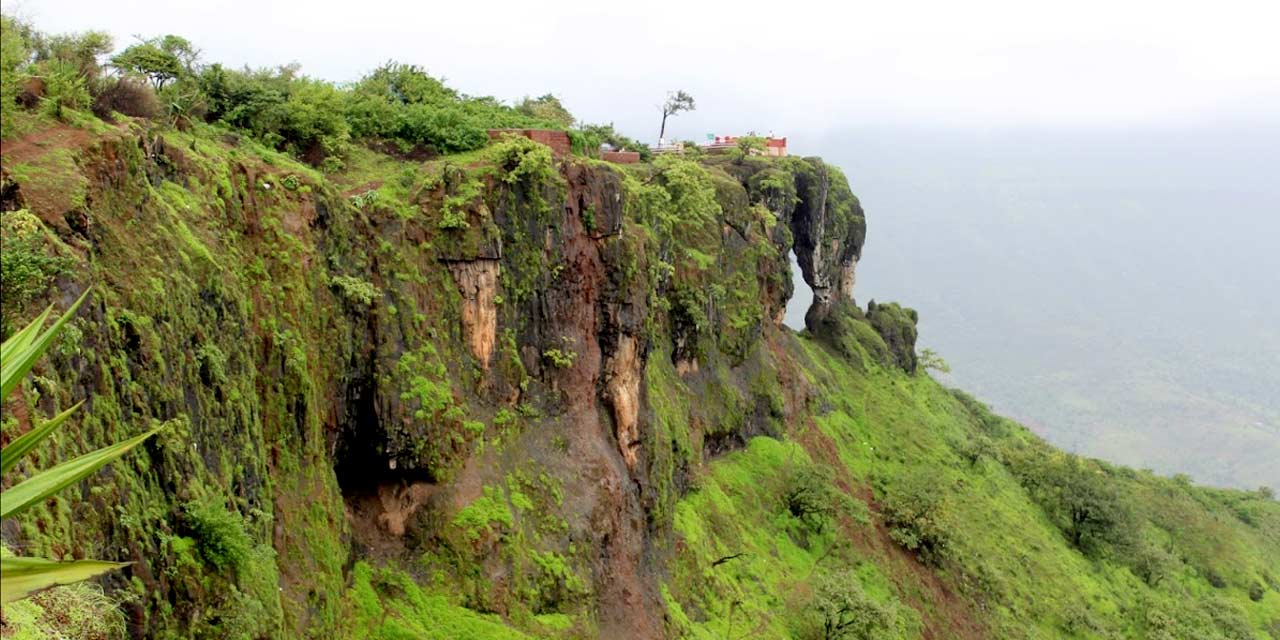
(556, 139)
(668, 146)
(620, 156)
(773, 147)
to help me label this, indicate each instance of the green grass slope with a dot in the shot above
(986, 509)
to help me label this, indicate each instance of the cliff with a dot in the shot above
(501, 393)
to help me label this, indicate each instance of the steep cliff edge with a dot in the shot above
(504, 393)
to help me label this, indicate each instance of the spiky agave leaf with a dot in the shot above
(23, 444)
(46, 483)
(21, 577)
(20, 352)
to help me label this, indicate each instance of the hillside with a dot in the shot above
(418, 390)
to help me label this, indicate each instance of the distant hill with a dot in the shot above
(1118, 291)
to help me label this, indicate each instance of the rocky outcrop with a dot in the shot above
(477, 282)
(622, 390)
(829, 229)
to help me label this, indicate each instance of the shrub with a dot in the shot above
(809, 496)
(447, 129)
(80, 50)
(313, 125)
(219, 533)
(546, 108)
(126, 96)
(64, 88)
(1150, 562)
(355, 290)
(14, 53)
(560, 358)
(1080, 499)
(26, 267)
(915, 509)
(841, 610)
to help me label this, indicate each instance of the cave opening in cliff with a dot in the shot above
(361, 462)
(358, 454)
(801, 295)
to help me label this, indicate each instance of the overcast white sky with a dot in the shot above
(790, 66)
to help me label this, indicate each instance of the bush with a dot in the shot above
(841, 610)
(547, 108)
(809, 495)
(126, 96)
(355, 290)
(447, 130)
(26, 267)
(64, 88)
(14, 52)
(1080, 499)
(219, 533)
(915, 510)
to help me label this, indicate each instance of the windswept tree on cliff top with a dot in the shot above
(677, 102)
(162, 60)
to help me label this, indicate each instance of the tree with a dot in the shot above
(809, 495)
(677, 102)
(929, 359)
(79, 49)
(547, 107)
(748, 145)
(916, 510)
(14, 55)
(1081, 500)
(162, 60)
(845, 612)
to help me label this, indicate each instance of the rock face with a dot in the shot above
(477, 282)
(622, 390)
(477, 374)
(829, 230)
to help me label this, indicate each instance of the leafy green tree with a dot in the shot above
(809, 495)
(916, 510)
(841, 610)
(748, 145)
(15, 52)
(64, 87)
(929, 359)
(547, 107)
(81, 50)
(162, 60)
(1081, 500)
(677, 102)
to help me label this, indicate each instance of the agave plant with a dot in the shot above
(20, 577)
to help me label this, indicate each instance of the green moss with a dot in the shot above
(478, 518)
(388, 605)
